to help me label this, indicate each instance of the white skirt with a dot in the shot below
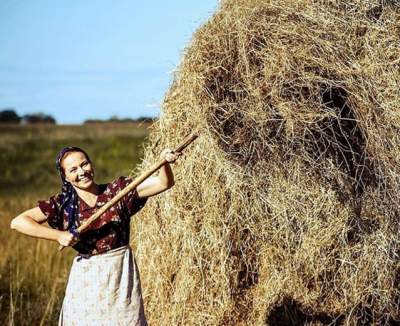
(104, 290)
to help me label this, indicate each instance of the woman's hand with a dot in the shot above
(66, 239)
(169, 155)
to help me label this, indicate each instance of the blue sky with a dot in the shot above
(82, 59)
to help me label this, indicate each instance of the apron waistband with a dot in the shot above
(105, 255)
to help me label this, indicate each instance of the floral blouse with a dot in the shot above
(109, 231)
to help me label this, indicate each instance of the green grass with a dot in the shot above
(33, 273)
(27, 153)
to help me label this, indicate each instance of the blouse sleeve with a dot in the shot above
(132, 201)
(50, 208)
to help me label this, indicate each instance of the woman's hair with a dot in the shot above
(68, 195)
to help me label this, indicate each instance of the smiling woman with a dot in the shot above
(104, 275)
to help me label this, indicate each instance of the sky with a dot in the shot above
(93, 59)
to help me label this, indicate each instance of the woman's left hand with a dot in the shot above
(169, 155)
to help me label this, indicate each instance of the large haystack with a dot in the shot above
(286, 209)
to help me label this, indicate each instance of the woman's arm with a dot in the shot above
(163, 181)
(30, 223)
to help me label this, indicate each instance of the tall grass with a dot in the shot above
(33, 273)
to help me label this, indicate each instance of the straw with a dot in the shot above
(287, 208)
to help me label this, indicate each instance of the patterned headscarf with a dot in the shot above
(68, 196)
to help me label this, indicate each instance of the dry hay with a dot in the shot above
(285, 211)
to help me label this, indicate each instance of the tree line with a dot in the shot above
(116, 119)
(10, 116)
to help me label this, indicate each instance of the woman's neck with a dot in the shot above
(89, 195)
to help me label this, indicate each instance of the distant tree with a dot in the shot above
(9, 116)
(120, 120)
(92, 121)
(115, 118)
(38, 118)
(145, 119)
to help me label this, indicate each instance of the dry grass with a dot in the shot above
(286, 209)
(32, 273)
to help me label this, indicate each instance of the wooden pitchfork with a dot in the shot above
(82, 228)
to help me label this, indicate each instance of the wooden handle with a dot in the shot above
(82, 228)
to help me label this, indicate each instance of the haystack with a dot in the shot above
(286, 209)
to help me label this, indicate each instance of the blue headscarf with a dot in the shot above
(68, 196)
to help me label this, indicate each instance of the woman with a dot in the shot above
(104, 285)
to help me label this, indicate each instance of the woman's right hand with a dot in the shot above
(169, 155)
(66, 239)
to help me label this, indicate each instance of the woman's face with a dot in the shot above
(78, 170)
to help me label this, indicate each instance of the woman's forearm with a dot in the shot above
(166, 176)
(26, 225)
(163, 181)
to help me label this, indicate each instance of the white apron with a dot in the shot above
(104, 290)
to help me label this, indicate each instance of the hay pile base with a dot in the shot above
(286, 210)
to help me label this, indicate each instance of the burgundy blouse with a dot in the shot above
(109, 231)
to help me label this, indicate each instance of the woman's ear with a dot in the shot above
(66, 178)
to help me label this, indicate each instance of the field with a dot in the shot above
(33, 273)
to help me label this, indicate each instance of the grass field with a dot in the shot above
(32, 272)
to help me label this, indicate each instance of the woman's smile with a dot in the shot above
(86, 178)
